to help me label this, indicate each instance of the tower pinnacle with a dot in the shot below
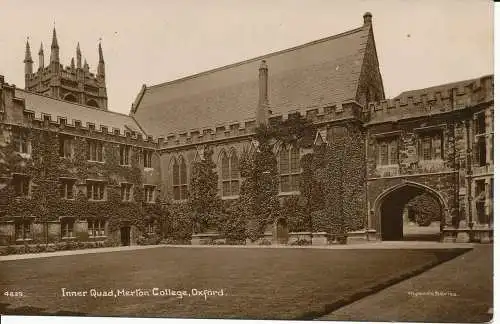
(41, 62)
(78, 56)
(54, 53)
(28, 61)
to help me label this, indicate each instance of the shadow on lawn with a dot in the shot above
(357, 295)
(34, 311)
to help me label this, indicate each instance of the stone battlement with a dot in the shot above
(433, 101)
(328, 113)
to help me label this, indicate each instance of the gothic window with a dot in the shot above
(179, 171)
(388, 151)
(480, 138)
(146, 158)
(149, 193)
(70, 97)
(126, 191)
(65, 146)
(124, 155)
(480, 197)
(23, 230)
(21, 142)
(431, 146)
(92, 103)
(230, 175)
(66, 187)
(95, 190)
(94, 150)
(289, 169)
(21, 183)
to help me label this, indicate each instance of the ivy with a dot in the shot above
(203, 197)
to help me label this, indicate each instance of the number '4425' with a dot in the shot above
(13, 293)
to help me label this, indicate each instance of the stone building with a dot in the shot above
(437, 141)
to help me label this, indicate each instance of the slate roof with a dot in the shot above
(71, 111)
(316, 74)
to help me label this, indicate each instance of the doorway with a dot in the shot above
(125, 235)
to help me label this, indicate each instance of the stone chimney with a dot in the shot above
(367, 19)
(263, 107)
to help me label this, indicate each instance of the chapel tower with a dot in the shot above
(74, 83)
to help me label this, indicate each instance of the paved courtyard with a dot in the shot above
(458, 291)
(257, 283)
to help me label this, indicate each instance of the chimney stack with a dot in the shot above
(367, 18)
(263, 107)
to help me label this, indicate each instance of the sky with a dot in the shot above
(419, 43)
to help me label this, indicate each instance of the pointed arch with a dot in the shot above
(179, 178)
(389, 206)
(92, 103)
(289, 168)
(70, 97)
(230, 173)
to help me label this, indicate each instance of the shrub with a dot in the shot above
(265, 242)
(301, 242)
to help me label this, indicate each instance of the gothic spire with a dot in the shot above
(41, 62)
(54, 53)
(100, 66)
(28, 61)
(54, 39)
(101, 57)
(78, 56)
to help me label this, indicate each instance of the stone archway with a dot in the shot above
(395, 218)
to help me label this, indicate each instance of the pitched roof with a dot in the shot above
(71, 111)
(316, 74)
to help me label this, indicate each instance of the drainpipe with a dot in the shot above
(469, 172)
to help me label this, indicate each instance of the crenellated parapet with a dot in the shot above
(431, 101)
(231, 130)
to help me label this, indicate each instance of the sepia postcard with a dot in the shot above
(247, 160)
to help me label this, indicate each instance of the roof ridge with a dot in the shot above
(321, 40)
(72, 103)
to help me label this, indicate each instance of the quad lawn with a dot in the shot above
(257, 283)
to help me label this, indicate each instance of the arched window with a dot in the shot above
(179, 173)
(92, 103)
(289, 169)
(230, 175)
(70, 97)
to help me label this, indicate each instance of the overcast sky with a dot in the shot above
(419, 43)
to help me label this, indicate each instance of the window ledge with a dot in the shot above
(68, 238)
(98, 236)
(94, 200)
(289, 193)
(126, 165)
(149, 169)
(387, 166)
(230, 197)
(92, 161)
(24, 155)
(24, 240)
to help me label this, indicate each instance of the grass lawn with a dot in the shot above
(257, 283)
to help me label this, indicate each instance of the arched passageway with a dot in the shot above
(410, 212)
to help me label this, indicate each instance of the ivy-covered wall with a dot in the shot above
(45, 168)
